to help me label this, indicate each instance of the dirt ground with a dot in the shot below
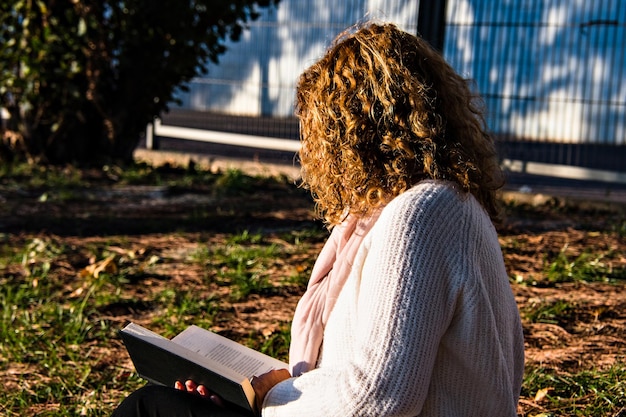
(589, 331)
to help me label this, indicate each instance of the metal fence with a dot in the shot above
(552, 73)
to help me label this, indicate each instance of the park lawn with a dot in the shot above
(84, 252)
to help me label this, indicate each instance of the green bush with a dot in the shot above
(82, 79)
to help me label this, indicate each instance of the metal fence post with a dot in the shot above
(431, 22)
(152, 141)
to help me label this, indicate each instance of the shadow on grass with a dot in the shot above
(147, 210)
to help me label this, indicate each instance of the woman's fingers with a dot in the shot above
(202, 391)
(193, 388)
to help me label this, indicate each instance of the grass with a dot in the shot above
(594, 263)
(52, 343)
(553, 312)
(56, 330)
(62, 179)
(61, 304)
(55, 335)
(588, 267)
(586, 393)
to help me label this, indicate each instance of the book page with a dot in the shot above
(143, 333)
(239, 358)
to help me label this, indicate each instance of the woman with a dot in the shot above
(409, 311)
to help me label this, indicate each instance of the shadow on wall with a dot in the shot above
(547, 70)
(257, 75)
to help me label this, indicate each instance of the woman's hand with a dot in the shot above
(193, 388)
(263, 383)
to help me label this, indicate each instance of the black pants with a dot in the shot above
(159, 401)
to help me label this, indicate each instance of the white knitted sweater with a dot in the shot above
(426, 324)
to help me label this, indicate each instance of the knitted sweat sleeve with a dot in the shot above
(383, 340)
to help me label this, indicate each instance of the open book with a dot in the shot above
(222, 365)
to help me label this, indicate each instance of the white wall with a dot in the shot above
(548, 69)
(257, 75)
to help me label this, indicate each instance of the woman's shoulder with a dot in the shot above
(434, 203)
(429, 195)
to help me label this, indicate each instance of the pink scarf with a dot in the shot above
(329, 274)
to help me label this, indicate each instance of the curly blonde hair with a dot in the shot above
(381, 111)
